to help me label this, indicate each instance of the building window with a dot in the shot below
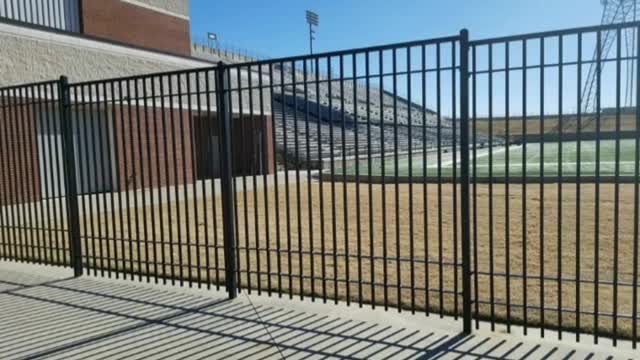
(55, 14)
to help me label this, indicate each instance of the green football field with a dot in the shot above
(548, 161)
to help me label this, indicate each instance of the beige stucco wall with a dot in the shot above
(177, 7)
(33, 55)
(30, 55)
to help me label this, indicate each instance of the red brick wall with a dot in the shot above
(19, 168)
(135, 25)
(133, 136)
(132, 140)
(139, 162)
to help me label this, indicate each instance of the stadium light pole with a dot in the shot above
(212, 37)
(313, 20)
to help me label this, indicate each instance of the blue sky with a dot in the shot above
(277, 27)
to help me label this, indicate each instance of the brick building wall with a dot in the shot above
(135, 135)
(19, 167)
(143, 143)
(148, 143)
(136, 25)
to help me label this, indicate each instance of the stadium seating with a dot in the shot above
(331, 114)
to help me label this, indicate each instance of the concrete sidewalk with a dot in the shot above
(48, 314)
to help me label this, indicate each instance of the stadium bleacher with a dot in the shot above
(332, 114)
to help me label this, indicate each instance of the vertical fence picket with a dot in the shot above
(71, 191)
(464, 180)
(224, 109)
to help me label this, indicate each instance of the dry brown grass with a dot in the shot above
(607, 123)
(40, 238)
(312, 229)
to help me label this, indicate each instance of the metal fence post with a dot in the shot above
(223, 100)
(464, 179)
(71, 191)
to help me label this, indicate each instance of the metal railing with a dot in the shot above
(567, 273)
(206, 177)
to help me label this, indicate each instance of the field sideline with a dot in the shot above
(549, 156)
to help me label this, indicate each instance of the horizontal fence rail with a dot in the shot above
(491, 180)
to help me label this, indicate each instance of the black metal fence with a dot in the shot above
(400, 176)
(333, 234)
(566, 248)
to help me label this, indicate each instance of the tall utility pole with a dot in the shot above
(313, 20)
(614, 11)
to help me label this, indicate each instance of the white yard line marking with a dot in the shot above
(484, 153)
(537, 165)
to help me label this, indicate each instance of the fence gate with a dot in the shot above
(490, 179)
(380, 223)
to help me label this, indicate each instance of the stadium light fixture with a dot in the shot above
(212, 37)
(313, 20)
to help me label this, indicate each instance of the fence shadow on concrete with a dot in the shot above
(67, 318)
